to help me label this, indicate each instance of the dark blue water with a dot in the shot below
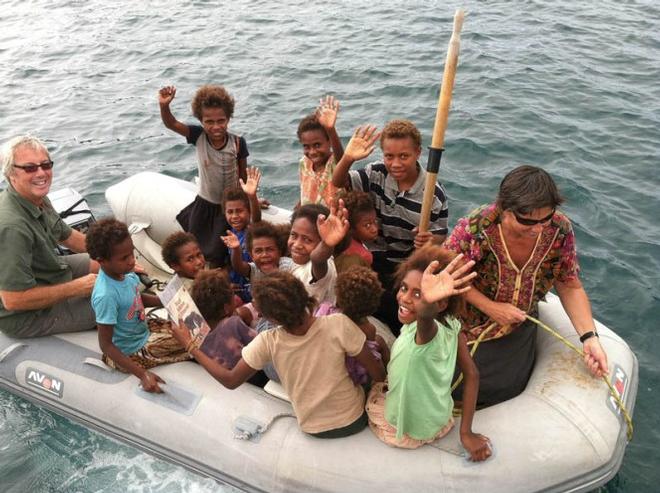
(569, 86)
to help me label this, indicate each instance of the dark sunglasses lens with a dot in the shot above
(46, 165)
(30, 168)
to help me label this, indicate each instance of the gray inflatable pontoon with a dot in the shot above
(563, 433)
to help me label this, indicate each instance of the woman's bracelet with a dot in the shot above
(588, 335)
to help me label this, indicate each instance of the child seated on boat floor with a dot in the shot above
(321, 150)
(182, 254)
(241, 209)
(309, 355)
(221, 161)
(213, 294)
(415, 406)
(128, 342)
(396, 185)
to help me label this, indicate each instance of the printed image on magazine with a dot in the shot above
(180, 306)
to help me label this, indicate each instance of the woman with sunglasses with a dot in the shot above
(523, 246)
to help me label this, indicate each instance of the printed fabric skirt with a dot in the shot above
(207, 222)
(385, 431)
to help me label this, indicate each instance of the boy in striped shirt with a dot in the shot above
(397, 186)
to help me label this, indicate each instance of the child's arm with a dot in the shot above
(375, 367)
(150, 300)
(359, 147)
(229, 378)
(478, 446)
(238, 265)
(250, 187)
(327, 116)
(149, 380)
(436, 287)
(384, 350)
(165, 97)
(331, 230)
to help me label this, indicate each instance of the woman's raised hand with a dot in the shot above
(362, 142)
(448, 282)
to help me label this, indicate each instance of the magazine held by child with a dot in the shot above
(180, 306)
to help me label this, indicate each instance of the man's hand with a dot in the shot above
(362, 143)
(327, 112)
(166, 95)
(595, 357)
(84, 285)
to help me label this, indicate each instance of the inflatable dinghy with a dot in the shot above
(563, 433)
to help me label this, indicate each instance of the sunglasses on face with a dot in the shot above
(32, 168)
(533, 222)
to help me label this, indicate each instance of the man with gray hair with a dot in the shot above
(41, 292)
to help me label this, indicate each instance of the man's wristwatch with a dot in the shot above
(588, 335)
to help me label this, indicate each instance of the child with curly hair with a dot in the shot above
(212, 293)
(364, 229)
(181, 252)
(358, 292)
(321, 150)
(415, 406)
(221, 158)
(128, 342)
(309, 355)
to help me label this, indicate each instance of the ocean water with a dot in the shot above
(570, 86)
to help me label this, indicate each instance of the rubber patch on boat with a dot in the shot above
(173, 397)
(620, 384)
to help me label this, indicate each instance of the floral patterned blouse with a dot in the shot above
(316, 187)
(479, 237)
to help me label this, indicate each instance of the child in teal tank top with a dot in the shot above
(415, 406)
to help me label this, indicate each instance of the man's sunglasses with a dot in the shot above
(533, 222)
(32, 168)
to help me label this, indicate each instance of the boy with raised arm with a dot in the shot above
(397, 186)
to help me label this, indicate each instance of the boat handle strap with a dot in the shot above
(10, 349)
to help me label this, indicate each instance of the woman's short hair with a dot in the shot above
(526, 189)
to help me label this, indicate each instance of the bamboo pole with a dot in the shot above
(441, 116)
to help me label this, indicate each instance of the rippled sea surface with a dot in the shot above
(570, 86)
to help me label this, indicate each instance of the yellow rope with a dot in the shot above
(614, 393)
(626, 415)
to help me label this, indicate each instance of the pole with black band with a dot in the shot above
(442, 113)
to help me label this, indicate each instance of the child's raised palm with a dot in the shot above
(334, 228)
(448, 282)
(327, 112)
(231, 240)
(362, 143)
(253, 177)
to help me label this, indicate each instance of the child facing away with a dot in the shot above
(415, 406)
(358, 293)
(182, 254)
(212, 293)
(309, 355)
(242, 208)
(128, 342)
(221, 162)
(321, 150)
(396, 185)
(363, 229)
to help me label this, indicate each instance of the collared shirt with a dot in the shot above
(399, 212)
(29, 236)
